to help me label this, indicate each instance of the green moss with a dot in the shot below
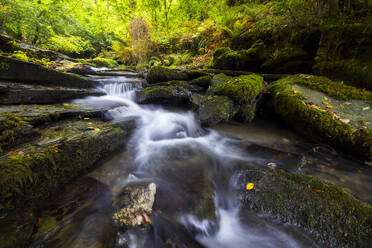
(159, 74)
(11, 128)
(250, 59)
(203, 82)
(157, 91)
(309, 119)
(104, 62)
(335, 89)
(242, 89)
(353, 72)
(324, 210)
(34, 172)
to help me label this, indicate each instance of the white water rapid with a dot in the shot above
(165, 138)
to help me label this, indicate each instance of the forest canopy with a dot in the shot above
(134, 30)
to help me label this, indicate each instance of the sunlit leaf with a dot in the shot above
(249, 186)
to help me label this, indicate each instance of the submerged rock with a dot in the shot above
(325, 211)
(325, 110)
(16, 229)
(134, 205)
(21, 71)
(79, 215)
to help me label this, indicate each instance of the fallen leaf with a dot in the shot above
(342, 106)
(97, 129)
(249, 186)
(318, 191)
(329, 106)
(146, 218)
(272, 165)
(90, 123)
(325, 98)
(86, 118)
(365, 108)
(348, 103)
(39, 222)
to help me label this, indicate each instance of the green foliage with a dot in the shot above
(69, 45)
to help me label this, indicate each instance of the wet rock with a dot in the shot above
(203, 82)
(15, 93)
(325, 211)
(318, 107)
(163, 95)
(78, 215)
(214, 109)
(134, 205)
(16, 229)
(244, 90)
(34, 73)
(37, 169)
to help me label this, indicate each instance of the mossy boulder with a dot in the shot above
(16, 93)
(244, 90)
(33, 171)
(249, 60)
(163, 95)
(203, 82)
(214, 109)
(342, 53)
(25, 72)
(288, 60)
(325, 111)
(328, 213)
(353, 72)
(159, 74)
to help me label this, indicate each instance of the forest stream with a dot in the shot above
(199, 174)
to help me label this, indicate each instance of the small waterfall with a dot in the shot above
(121, 87)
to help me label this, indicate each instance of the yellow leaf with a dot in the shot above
(90, 123)
(66, 104)
(325, 98)
(249, 186)
(97, 129)
(329, 106)
(86, 118)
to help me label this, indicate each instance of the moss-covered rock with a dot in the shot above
(325, 110)
(104, 62)
(214, 109)
(325, 211)
(159, 74)
(353, 72)
(249, 60)
(203, 82)
(163, 95)
(288, 60)
(342, 53)
(244, 90)
(35, 170)
(21, 71)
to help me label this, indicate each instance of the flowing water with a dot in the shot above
(199, 174)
